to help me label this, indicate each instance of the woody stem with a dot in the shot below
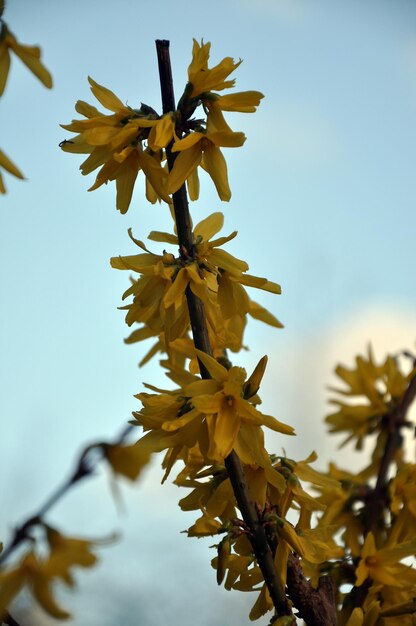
(197, 317)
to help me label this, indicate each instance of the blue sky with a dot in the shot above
(323, 199)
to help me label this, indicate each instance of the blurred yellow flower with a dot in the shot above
(29, 55)
(40, 573)
(378, 388)
(8, 166)
(383, 565)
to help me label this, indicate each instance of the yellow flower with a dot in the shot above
(213, 415)
(29, 55)
(39, 574)
(115, 143)
(163, 132)
(383, 566)
(205, 526)
(127, 460)
(157, 303)
(204, 79)
(123, 167)
(200, 147)
(10, 167)
(221, 400)
(214, 275)
(243, 102)
(382, 387)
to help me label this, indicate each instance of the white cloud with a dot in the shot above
(298, 376)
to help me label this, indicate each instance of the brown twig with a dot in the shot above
(392, 424)
(84, 467)
(233, 464)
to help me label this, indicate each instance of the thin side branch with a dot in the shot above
(84, 467)
(394, 421)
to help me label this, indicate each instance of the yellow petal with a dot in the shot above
(179, 422)
(226, 261)
(42, 591)
(88, 110)
(260, 283)
(156, 174)
(185, 164)
(216, 167)
(187, 142)
(226, 431)
(252, 384)
(261, 605)
(201, 387)
(207, 404)
(217, 371)
(232, 298)
(126, 177)
(210, 226)
(200, 56)
(157, 235)
(11, 583)
(176, 292)
(4, 65)
(227, 139)
(76, 145)
(243, 101)
(193, 185)
(204, 527)
(100, 135)
(162, 132)
(30, 55)
(107, 98)
(128, 460)
(97, 157)
(215, 119)
(262, 314)
(9, 166)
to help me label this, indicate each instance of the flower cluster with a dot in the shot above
(375, 391)
(276, 485)
(372, 510)
(214, 275)
(130, 140)
(358, 528)
(208, 417)
(366, 522)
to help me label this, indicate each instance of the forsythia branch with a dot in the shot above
(200, 334)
